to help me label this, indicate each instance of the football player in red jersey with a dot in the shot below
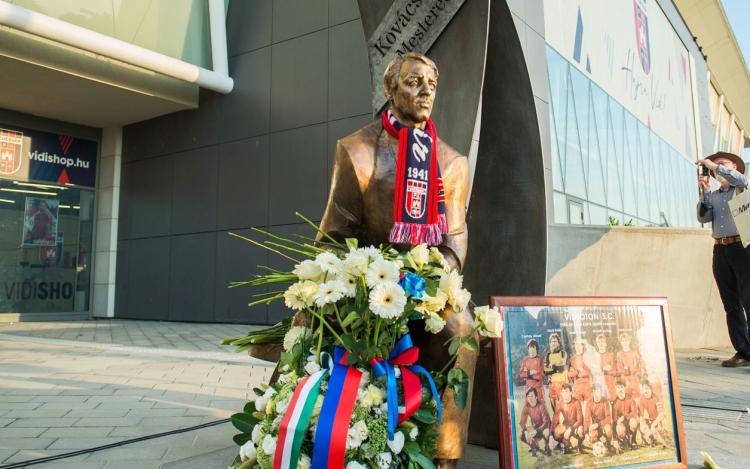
(580, 373)
(572, 420)
(629, 365)
(625, 413)
(536, 412)
(597, 419)
(651, 415)
(607, 365)
(532, 369)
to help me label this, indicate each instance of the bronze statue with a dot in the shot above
(361, 205)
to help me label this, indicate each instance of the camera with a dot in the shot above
(705, 171)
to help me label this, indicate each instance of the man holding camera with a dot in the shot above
(731, 261)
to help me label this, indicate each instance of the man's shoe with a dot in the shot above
(736, 361)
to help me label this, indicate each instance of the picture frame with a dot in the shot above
(614, 357)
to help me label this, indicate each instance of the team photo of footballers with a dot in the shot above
(583, 391)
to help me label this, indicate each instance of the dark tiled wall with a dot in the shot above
(248, 159)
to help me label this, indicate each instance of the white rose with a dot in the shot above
(312, 368)
(432, 304)
(460, 300)
(364, 398)
(269, 445)
(377, 395)
(356, 262)
(434, 323)
(361, 428)
(256, 434)
(451, 282)
(491, 323)
(414, 433)
(352, 439)
(383, 407)
(355, 465)
(398, 443)
(436, 255)
(420, 254)
(283, 405)
(304, 461)
(248, 452)
(384, 460)
(260, 403)
(309, 270)
(365, 380)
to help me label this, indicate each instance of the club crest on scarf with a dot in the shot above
(419, 198)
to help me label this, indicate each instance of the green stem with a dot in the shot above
(338, 316)
(322, 232)
(325, 323)
(377, 330)
(320, 342)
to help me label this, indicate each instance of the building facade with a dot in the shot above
(622, 98)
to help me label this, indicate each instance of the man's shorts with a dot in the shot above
(554, 390)
(582, 391)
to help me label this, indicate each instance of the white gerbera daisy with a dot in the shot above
(356, 262)
(300, 295)
(372, 253)
(381, 271)
(330, 292)
(330, 263)
(387, 300)
(350, 282)
(295, 334)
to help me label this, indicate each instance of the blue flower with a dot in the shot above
(413, 283)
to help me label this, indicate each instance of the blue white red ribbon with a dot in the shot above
(404, 355)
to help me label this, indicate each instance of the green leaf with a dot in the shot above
(416, 316)
(250, 408)
(353, 316)
(412, 447)
(348, 341)
(244, 422)
(352, 243)
(453, 347)
(287, 358)
(258, 392)
(432, 286)
(242, 438)
(461, 392)
(472, 344)
(439, 379)
(424, 416)
(423, 461)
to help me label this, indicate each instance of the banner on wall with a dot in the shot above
(32, 155)
(630, 50)
(40, 222)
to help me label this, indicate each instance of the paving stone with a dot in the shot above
(76, 432)
(44, 423)
(108, 422)
(170, 421)
(84, 442)
(25, 443)
(21, 432)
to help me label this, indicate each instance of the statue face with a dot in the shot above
(415, 92)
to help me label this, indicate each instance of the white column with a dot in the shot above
(107, 215)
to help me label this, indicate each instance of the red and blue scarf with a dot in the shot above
(419, 199)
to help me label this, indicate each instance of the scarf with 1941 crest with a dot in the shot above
(419, 199)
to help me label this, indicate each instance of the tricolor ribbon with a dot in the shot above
(404, 355)
(294, 423)
(333, 423)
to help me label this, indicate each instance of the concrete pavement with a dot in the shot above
(78, 385)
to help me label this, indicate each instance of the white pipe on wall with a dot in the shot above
(218, 24)
(44, 26)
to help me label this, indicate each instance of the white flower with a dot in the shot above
(383, 409)
(438, 257)
(248, 452)
(276, 423)
(304, 461)
(381, 271)
(398, 443)
(432, 304)
(300, 295)
(330, 292)
(377, 394)
(309, 270)
(434, 323)
(491, 323)
(451, 283)
(260, 403)
(372, 253)
(256, 434)
(269, 445)
(295, 335)
(330, 263)
(318, 406)
(355, 465)
(350, 282)
(356, 262)
(365, 380)
(283, 405)
(312, 368)
(399, 264)
(387, 300)
(352, 439)
(460, 300)
(384, 460)
(361, 429)
(414, 433)
(420, 254)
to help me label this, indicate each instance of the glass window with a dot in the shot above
(559, 202)
(714, 99)
(726, 119)
(46, 234)
(598, 215)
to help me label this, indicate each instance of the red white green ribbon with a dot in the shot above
(294, 423)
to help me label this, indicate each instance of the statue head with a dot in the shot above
(410, 84)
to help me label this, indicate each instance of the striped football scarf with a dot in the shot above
(419, 199)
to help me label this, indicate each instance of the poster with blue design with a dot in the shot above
(589, 386)
(33, 155)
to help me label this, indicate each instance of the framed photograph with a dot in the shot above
(587, 383)
(40, 222)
